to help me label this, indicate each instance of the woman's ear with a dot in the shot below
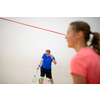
(79, 34)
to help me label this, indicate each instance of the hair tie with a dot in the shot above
(91, 33)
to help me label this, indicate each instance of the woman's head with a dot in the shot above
(79, 32)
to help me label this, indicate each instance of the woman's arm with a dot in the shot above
(78, 79)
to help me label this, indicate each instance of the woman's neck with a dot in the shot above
(79, 46)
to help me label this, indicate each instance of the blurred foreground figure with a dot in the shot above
(85, 65)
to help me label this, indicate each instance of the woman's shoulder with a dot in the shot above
(83, 54)
(86, 55)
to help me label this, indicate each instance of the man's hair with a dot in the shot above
(48, 50)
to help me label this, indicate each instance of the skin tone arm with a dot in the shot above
(78, 79)
(40, 63)
(53, 60)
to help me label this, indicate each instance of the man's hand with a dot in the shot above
(38, 67)
(51, 56)
(53, 60)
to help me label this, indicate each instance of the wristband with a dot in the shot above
(39, 65)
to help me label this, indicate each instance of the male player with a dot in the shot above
(46, 62)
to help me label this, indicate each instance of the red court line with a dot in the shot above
(32, 26)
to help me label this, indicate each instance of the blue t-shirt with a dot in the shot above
(47, 61)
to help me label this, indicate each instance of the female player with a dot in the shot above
(85, 65)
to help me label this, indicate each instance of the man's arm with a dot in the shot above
(40, 63)
(53, 60)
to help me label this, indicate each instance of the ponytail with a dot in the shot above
(96, 42)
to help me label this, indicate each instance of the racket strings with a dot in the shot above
(35, 77)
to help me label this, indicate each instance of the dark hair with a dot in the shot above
(85, 28)
(48, 50)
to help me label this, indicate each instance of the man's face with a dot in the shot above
(47, 54)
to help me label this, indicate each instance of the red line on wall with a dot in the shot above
(32, 26)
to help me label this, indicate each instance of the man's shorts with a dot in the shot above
(46, 71)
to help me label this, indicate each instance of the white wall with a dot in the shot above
(21, 47)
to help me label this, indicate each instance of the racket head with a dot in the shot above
(45, 80)
(35, 77)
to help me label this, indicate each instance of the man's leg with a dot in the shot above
(49, 74)
(42, 74)
(41, 80)
(51, 79)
